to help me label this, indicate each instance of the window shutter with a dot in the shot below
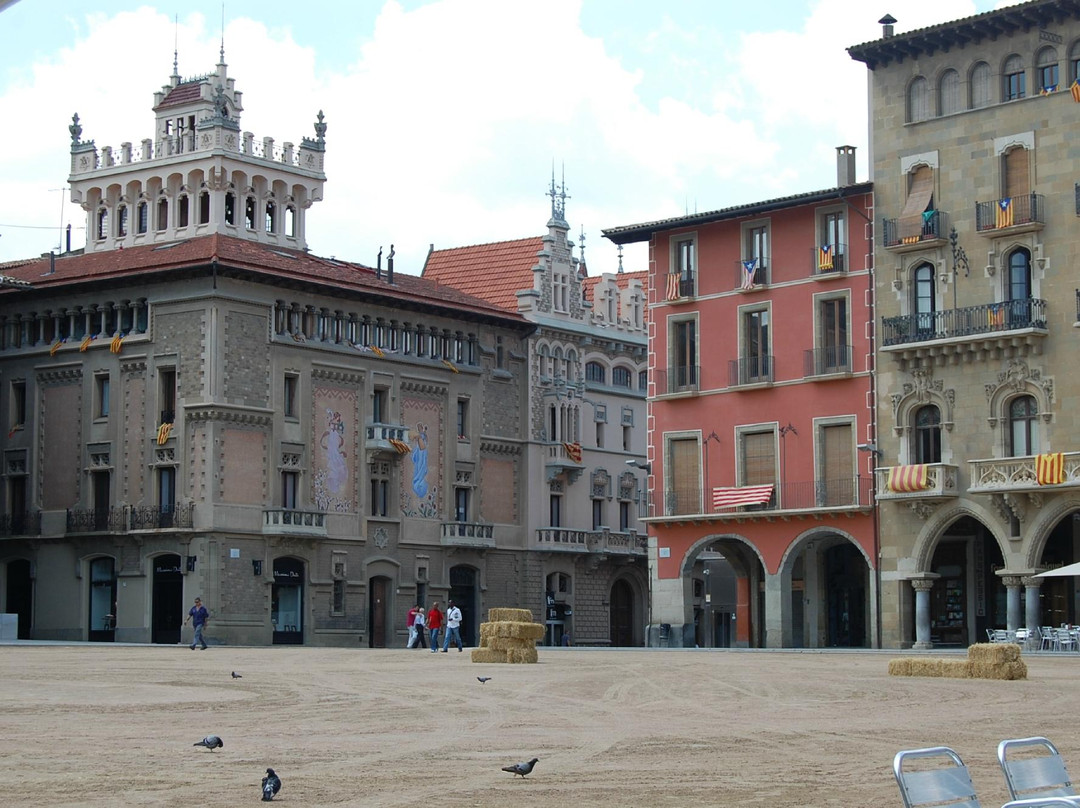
(759, 458)
(839, 469)
(1016, 173)
(685, 475)
(918, 200)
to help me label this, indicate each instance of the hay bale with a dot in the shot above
(994, 653)
(900, 667)
(1004, 671)
(522, 655)
(509, 643)
(516, 630)
(487, 655)
(985, 661)
(510, 615)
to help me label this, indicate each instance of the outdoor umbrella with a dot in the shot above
(1067, 571)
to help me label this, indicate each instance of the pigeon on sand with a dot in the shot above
(521, 768)
(271, 785)
(236, 675)
(482, 679)
(211, 742)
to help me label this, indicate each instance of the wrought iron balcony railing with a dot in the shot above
(1009, 212)
(934, 226)
(828, 259)
(751, 370)
(845, 494)
(986, 318)
(678, 379)
(97, 520)
(826, 361)
(27, 523)
(161, 516)
(757, 275)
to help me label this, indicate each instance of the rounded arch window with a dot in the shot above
(979, 84)
(1012, 77)
(927, 434)
(594, 372)
(1046, 69)
(1023, 426)
(949, 100)
(925, 302)
(1074, 61)
(918, 100)
(621, 377)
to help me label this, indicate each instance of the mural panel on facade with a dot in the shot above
(335, 438)
(421, 494)
(60, 453)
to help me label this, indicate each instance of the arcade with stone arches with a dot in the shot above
(974, 571)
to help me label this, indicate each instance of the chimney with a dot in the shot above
(886, 24)
(390, 265)
(845, 166)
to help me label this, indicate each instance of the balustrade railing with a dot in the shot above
(27, 523)
(847, 492)
(986, 318)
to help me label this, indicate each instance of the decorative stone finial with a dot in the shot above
(75, 129)
(320, 129)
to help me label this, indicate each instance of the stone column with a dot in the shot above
(1012, 600)
(669, 609)
(922, 587)
(777, 610)
(1032, 607)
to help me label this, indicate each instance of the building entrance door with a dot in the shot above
(287, 601)
(622, 614)
(379, 590)
(167, 610)
(20, 594)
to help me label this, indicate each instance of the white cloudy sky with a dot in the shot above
(445, 116)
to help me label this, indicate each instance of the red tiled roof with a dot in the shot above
(493, 272)
(232, 254)
(622, 280)
(181, 94)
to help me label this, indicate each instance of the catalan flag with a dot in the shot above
(1050, 88)
(1050, 469)
(117, 344)
(673, 286)
(825, 257)
(401, 446)
(908, 479)
(163, 433)
(910, 239)
(56, 346)
(375, 349)
(1074, 88)
(86, 343)
(451, 365)
(573, 451)
(749, 269)
(1003, 215)
(995, 316)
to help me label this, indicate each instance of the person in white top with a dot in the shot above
(453, 627)
(418, 624)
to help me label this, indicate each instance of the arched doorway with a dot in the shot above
(622, 614)
(378, 610)
(167, 604)
(20, 594)
(287, 601)
(845, 596)
(102, 611)
(463, 592)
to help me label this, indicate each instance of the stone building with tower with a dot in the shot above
(584, 422)
(977, 194)
(198, 405)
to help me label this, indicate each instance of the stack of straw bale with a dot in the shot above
(985, 661)
(510, 635)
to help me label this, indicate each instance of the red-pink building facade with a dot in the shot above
(761, 434)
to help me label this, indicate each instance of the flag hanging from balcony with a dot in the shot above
(56, 346)
(995, 316)
(1003, 216)
(1050, 469)
(86, 343)
(743, 495)
(401, 446)
(1074, 88)
(163, 433)
(673, 286)
(117, 344)
(908, 479)
(375, 349)
(825, 257)
(749, 268)
(451, 365)
(1050, 88)
(573, 451)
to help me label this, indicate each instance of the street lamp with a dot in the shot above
(783, 456)
(707, 611)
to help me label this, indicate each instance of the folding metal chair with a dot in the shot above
(1033, 767)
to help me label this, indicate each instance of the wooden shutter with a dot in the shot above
(918, 200)
(759, 458)
(685, 479)
(839, 471)
(1017, 182)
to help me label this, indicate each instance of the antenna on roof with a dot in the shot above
(620, 260)
(176, 48)
(581, 243)
(222, 32)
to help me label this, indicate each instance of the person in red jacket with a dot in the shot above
(434, 623)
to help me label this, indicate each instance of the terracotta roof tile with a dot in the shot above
(493, 272)
(181, 94)
(235, 254)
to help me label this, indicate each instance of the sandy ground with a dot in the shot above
(106, 725)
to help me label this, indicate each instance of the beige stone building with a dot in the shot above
(197, 405)
(975, 170)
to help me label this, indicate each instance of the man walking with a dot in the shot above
(410, 623)
(198, 616)
(453, 627)
(434, 623)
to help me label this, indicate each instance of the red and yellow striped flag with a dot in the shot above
(163, 433)
(573, 451)
(85, 343)
(451, 365)
(908, 479)
(55, 347)
(1074, 88)
(1050, 468)
(825, 257)
(1003, 216)
(673, 286)
(117, 344)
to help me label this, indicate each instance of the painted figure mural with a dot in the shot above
(419, 458)
(332, 436)
(421, 469)
(332, 439)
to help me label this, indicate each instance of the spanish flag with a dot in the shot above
(825, 257)
(907, 479)
(1003, 216)
(117, 344)
(163, 433)
(451, 365)
(573, 451)
(86, 343)
(1050, 468)
(673, 286)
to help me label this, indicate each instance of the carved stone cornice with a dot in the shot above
(922, 508)
(337, 375)
(69, 374)
(247, 417)
(491, 447)
(133, 365)
(424, 388)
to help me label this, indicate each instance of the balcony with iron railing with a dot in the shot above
(750, 370)
(1018, 214)
(972, 329)
(934, 481)
(902, 236)
(157, 517)
(468, 534)
(1003, 475)
(678, 379)
(98, 520)
(27, 523)
(292, 521)
(756, 275)
(828, 259)
(827, 361)
(811, 497)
